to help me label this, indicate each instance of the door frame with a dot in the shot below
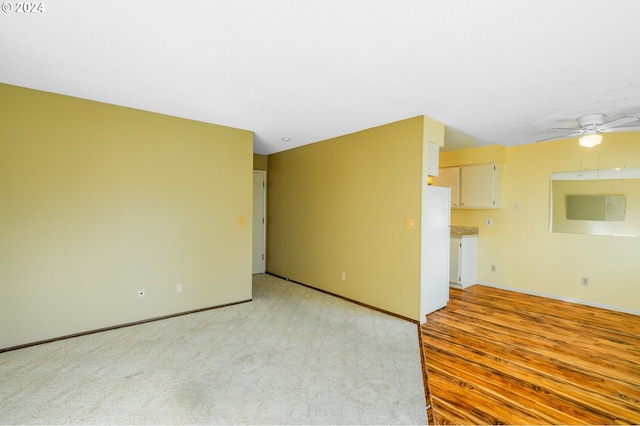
(264, 228)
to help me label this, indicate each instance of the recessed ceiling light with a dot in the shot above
(286, 139)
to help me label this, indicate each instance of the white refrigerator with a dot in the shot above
(434, 249)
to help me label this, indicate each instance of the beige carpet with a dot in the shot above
(292, 356)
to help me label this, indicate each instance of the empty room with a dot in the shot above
(354, 212)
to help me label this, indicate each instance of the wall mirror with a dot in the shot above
(596, 202)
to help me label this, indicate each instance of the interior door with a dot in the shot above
(259, 222)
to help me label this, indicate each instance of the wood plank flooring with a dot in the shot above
(500, 357)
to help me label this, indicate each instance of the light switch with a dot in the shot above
(241, 222)
(409, 223)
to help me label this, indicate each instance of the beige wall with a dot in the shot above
(530, 258)
(340, 205)
(98, 201)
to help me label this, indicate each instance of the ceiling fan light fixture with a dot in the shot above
(590, 140)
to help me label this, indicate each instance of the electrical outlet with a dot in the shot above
(343, 276)
(585, 281)
(178, 288)
(141, 293)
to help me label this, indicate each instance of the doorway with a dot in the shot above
(259, 222)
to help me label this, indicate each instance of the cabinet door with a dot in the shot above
(479, 184)
(450, 177)
(468, 263)
(454, 260)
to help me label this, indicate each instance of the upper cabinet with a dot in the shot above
(450, 177)
(476, 186)
(481, 186)
(433, 159)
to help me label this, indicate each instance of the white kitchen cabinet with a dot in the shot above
(481, 186)
(433, 159)
(475, 186)
(463, 258)
(450, 177)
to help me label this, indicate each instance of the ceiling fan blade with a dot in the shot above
(577, 133)
(621, 129)
(618, 122)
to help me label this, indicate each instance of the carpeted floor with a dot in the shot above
(292, 356)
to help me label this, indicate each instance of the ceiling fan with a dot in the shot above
(590, 127)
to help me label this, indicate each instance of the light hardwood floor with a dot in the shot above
(502, 357)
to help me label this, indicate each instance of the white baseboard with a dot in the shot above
(564, 299)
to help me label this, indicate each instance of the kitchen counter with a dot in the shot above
(463, 231)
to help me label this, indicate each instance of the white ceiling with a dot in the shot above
(493, 71)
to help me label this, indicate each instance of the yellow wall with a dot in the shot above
(99, 200)
(530, 258)
(477, 155)
(260, 162)
(340, 206)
